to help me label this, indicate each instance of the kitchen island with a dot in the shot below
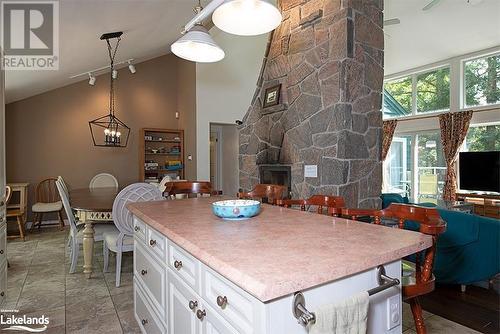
(197, 273)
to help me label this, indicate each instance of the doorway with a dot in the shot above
(224, 149)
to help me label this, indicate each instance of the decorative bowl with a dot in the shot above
(236, 209)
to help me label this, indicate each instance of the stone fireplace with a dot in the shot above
(276, 174)
(328, 57)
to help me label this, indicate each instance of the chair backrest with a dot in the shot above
(46, 191)
(67, 206)
(428, 184)
(136, 192)
(332, 204)
(271, 192)
(64, 185)
(163, 183)
(189, 188)
(8, 194)
(103, 180)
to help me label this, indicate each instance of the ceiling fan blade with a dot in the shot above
(391, 22)
(431, 4)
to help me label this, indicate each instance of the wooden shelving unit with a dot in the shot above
(158, 151)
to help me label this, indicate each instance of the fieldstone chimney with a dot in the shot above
(328, 57)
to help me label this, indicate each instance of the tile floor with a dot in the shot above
(39, 283)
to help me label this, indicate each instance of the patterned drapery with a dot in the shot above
(454, 126)
(388, 133)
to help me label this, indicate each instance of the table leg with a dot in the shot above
(88, 248)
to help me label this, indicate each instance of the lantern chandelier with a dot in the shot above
(238, 17)
(108, 130)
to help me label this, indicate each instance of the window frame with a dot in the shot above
(463, 94)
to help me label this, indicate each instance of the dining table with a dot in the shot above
(92, 206)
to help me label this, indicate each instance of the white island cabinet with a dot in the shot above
(204, 275)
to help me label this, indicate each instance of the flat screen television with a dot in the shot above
(480, 171)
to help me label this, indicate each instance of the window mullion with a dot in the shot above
(414, 94)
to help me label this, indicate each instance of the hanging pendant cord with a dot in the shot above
(112, 54)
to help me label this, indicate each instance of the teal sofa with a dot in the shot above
(469, 250)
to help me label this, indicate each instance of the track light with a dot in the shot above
(91, 79)
(131, 67)
(115, 74)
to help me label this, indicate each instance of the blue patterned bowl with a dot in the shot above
(236, 209)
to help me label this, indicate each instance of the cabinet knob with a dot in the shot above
(2, 203)
(193, 304)
(1, 251)
(2, 294)
(222, 301)
(178, 264)
(201, 314)
(144, 322)
(137, 229)
(144, 272)
(152, 242)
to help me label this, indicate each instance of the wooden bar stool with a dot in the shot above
(332, 204)
(190, 189)
(265, 192)
(47, 200)
(420, 280)
(18, 214)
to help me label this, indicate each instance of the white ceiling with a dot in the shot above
(450, 28)
(149, 27)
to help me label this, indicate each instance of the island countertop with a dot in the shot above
(281, 250)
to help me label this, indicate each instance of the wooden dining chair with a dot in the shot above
(103, 180)
(269, 193)
(420, 280)
(332, 204)
(18, 214)
(190, 189)
(47, 200)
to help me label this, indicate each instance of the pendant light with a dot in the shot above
(197, 44)
(108, 130)
(247, 17)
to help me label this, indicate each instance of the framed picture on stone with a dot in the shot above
(272, 96)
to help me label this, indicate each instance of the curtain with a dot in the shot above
(388, 128)
(454, 126)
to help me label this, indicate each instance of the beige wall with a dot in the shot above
(48, 134)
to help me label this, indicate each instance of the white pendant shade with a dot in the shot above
(197, 45)
(247, 17)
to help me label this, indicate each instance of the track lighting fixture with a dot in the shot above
(114, 73)
(91, 79)
(131, 67)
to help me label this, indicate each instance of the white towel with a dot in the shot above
(348, 316)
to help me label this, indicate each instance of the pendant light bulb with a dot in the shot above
(247, 17)
(197, 45)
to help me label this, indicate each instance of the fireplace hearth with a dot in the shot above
(276, 174)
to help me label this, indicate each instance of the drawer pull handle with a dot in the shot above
(144, 322)
(193, 304)
(201, 314)
(178, 264)
(144, 272)
(1, 251)
(137, 229)
(2, 294)
(152, 242)
(222, 301)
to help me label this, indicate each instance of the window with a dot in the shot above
(417, 93)
(398, 97)
(433, 90)
(398, 166)
(483, 138)
(482, 81)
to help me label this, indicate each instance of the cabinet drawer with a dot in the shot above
(228, 300)
(144, 314)
(157, 244)
(3, 244)
(140, 230)
(186, 266)
(151, 276)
